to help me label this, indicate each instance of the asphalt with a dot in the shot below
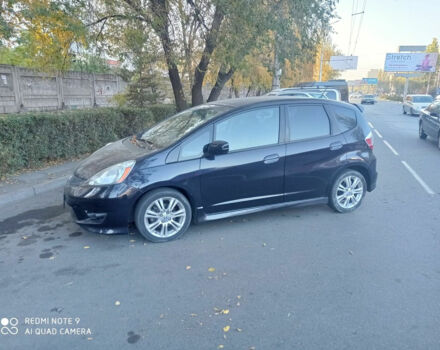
(302, 278)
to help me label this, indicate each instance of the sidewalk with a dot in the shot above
(31, 184)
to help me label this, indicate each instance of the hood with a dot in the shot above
(112, 153)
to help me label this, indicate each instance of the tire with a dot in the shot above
(404, 111)
(160, 224)
(348, 178)
(422, 134)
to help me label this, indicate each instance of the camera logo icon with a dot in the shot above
(9, 326)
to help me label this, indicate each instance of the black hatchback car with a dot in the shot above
(429, 122)
(223, 159)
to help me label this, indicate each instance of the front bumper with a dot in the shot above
(104, 209)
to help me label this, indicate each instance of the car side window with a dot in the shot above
(307, 122)
(346, 118)
(254, 128)
(193, 147)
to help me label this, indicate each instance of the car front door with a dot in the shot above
(312, 153)
(251, 174)
(431, 118)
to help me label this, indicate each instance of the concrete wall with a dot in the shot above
(24, 90)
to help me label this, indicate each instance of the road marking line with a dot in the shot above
(418, 178)
(390, 147)
(378, 133)
(371, 125)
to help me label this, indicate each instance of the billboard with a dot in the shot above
(369, 81)
(343, 62)
(410, 62)
(412, 48)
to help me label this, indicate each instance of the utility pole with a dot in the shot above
(320, 64)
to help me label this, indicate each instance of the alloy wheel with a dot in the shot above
(165, 217)
(349, 191)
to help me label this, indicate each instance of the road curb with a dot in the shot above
(32, 191)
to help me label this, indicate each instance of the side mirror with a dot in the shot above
(215, 148)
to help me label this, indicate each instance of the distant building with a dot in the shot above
(373, 73)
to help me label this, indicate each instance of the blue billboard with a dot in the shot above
(369, 81)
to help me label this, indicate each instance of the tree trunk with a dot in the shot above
(161, 27)
(210, 45)
(222, 79)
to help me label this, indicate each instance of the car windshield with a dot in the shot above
(172, 129)
(422, 99)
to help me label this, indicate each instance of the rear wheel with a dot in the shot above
(422, 134)
(163, 215)
(347, 191)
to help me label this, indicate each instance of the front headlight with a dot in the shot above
(113, 174)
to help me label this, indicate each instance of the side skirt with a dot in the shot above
(227, 214)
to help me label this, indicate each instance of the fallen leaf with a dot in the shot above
(239, 330)
(238, 296)
(86, 247)
(220, 346)
(226, 329)
(225, 311)
(117, 303)
(188, 267)
(211, 269)
(193, 315)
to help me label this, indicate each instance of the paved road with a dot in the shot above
(288, 279)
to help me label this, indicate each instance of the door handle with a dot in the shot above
(272, 158)
(335, 146)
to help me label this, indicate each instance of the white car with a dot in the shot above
(413, 104)
(308, 92)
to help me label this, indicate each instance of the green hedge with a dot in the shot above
(29, 140)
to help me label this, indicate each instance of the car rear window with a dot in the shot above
(307, 122)
(346, 118)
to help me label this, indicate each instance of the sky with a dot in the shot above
(386, 24)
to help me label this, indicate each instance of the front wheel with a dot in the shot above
(163, 215)
(422, 134)
(347, 191)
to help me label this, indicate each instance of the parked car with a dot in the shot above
(368, 99)
(413, 104)
(429, 122)
(289, 92)
(337, 84)
(226, 158)
(310, 92)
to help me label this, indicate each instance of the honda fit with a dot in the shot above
(223, 159)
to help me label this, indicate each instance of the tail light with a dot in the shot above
(369, 140)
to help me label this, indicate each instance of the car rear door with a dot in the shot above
(252, 172)
(313, 152)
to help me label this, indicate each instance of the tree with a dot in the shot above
(47, 30)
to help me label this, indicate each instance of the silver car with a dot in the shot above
(413, 104)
